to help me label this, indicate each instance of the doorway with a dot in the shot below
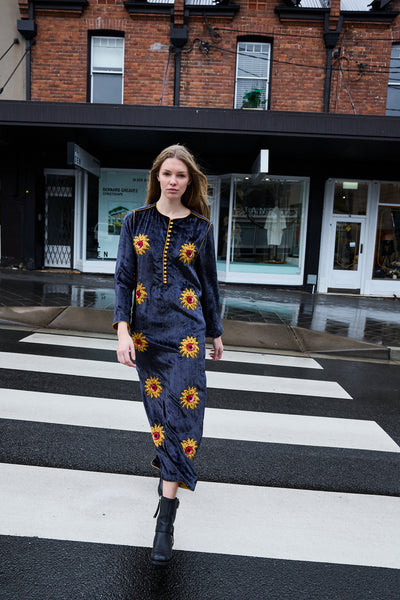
(343, 237)
(59, 219)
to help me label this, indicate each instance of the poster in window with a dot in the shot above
(119, 193)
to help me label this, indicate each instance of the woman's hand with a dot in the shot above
(126, 348)
(217, 349)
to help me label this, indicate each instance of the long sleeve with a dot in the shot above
(206, 269)
(125, 273)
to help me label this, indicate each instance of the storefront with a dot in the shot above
(360, 238)
(324, 215)
(259, 222)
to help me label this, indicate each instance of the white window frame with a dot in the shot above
(104, 69)
(394, 84)
(265, 49)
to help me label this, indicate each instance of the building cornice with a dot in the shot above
(202, 120)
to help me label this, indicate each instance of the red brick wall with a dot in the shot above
(298, 68)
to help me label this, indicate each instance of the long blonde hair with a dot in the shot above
(195, 196)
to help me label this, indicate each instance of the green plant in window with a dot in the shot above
(252, 99)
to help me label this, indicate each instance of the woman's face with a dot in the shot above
(174, 178)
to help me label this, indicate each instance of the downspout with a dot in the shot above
(178, 38)
(331, 37)
(28, 29)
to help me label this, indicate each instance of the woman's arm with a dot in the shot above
(206, 269)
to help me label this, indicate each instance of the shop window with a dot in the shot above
(265, 234)
(393, 94)
(106, 69)
(110, 198)
(252, 74)
(387, 246)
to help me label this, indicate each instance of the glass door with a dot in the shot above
(347, 258)
(343, 241)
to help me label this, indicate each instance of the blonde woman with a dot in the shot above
(166, 260)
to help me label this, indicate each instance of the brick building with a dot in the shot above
(305, 189)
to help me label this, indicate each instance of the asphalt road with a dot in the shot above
(298, 495)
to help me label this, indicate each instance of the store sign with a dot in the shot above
(119, 193)
(78, 157)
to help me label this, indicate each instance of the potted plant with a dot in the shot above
(252, 99)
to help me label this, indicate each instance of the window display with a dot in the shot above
(387, 246)
(266, 228)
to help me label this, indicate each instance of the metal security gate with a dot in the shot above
(59, 217)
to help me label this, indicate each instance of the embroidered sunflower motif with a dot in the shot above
(153, 387)
(189, 447)
(190, 398)
(140, 293)
(141, 243)
(189, 347)
(189, 299)
(140, 341)
(157, 433)
(187, 253)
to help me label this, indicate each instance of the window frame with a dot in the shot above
(103, 33)
(392, 84)
(253, 40)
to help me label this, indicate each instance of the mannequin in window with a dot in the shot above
(275, 223)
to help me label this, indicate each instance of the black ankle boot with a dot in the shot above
(164, 537)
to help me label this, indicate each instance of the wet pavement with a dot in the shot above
(366, 319)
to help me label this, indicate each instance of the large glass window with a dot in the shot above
(112, 197)
(393, 94)
(387, 246)
(252, 75)
(107, 69)
(265, 233)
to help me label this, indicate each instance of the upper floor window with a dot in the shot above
(393, 94)
(107, 69)
(252, 74)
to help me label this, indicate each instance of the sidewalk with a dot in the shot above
(257, 317)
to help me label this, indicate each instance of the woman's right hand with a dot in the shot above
(126, 347)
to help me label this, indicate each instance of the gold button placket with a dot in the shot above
(167, 240)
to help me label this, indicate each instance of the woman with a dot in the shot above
(166, 255)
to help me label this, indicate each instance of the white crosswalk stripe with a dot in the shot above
(219, 423)
(229, 355)
(271, 522)
(295, 525)
(220, 380)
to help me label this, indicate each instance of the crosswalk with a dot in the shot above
(51, 502)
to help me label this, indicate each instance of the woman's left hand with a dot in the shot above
(217, 349)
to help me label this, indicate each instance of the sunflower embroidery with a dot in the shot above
(157, 433)
(140, 341)
(153, 387)
(140, 293)
(190, 398)
(189, 347)
(187, 253)
(189, 447)
(189, 299)
(141, 243)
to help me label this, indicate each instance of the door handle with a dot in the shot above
(361, 248)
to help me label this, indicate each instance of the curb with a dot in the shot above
(243, 334)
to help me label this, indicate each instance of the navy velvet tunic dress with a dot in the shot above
(169, 264)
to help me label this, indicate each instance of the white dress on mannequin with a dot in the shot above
(275, 223)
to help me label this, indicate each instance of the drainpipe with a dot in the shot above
(178, 38)
(331, 37)
(28, 29)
